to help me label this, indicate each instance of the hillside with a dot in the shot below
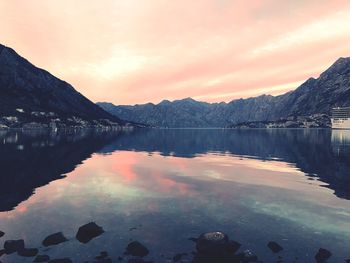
(32, 96)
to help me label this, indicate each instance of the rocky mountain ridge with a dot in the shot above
(314, 96)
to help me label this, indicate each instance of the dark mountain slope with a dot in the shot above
(27, 91)
(320, 95)
(314, 96)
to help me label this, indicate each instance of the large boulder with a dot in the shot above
(88, 232)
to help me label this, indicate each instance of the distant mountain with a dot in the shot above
(314, 96)
(30, 94)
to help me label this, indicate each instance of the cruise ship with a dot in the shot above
(341, 118)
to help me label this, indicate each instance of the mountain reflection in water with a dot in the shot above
(320, 153)
(291, 186)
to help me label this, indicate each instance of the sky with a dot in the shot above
(139, 51)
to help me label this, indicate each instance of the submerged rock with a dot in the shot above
(41, 258)
(54, 239)
(61, 260)
(322, 255)
(28, 252)
(2, 234)
(135, 248)
(275, 248)
(212, 243)
(11, 246)
(88, 232)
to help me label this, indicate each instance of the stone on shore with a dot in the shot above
(88, 232)
(12, 246)
(54, 239)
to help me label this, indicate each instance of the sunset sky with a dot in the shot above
(138, 51)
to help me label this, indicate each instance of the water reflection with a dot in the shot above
(32, 159)
(341, 142)
(312, 151)
(290, 186)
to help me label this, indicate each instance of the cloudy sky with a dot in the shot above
(137, 51)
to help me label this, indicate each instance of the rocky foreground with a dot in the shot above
(211, 247)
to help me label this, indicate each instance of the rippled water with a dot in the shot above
(161, 187)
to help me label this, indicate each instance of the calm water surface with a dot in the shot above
(161, 187)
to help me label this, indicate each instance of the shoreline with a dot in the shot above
(208, 247)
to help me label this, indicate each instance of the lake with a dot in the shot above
(164, 186)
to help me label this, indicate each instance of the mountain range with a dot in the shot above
(314, 96)
(32, 96)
